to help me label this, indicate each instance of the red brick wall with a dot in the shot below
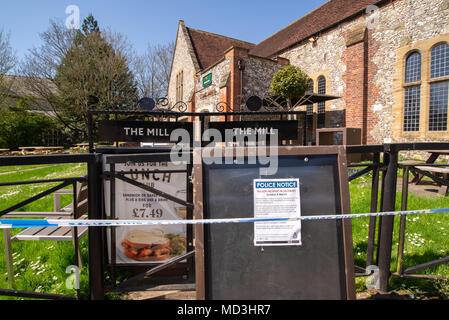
(354, 95)
(235, 54)
(361, 92)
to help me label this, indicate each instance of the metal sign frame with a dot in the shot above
(346, 237)
(112, 175)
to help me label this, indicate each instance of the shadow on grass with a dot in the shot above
(360, 247)
(417, 259)
(426, 287)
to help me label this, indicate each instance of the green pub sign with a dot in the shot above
(207, 80)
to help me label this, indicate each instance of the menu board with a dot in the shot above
(148, 244)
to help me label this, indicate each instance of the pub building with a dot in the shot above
(377, 69)
(387, 61)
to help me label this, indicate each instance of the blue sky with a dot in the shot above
(154, 22)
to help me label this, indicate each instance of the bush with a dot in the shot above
(19, 127)
(289, 83)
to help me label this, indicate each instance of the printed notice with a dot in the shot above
(148, 244)
(277, 198)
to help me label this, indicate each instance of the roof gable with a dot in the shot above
(210, 47)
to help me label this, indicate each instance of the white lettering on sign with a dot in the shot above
(150, 132)
(251, 131)
(157, 132)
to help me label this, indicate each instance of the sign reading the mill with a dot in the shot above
(139, 131)
(286, 129)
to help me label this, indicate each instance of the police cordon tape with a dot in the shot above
(29, 223)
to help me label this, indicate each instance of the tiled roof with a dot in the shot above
(320, 19)
(16, 86)
(209, 47)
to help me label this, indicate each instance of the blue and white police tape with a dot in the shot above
(28, 223)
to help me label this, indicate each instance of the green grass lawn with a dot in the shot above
(41, 265)
(427, 236)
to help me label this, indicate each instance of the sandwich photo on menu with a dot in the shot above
(152, 245)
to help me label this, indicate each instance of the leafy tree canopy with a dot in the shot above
(92, 75)
(289, 83)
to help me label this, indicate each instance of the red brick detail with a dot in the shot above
(354, 59)
(207, 94)
(234, 93)
(361, 92)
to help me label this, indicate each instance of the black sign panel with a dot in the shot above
(286, 129)
(139, 131)
(235, 269)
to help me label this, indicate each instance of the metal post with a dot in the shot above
(75, 234)
(96, 268)
(386, 234)
(403, 220)
(113, 251)
(374, 200)
(304, 129)
(381, 209)
(90, 132)
(8, 255)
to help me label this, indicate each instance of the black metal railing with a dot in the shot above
(92, 161)
(388, 167)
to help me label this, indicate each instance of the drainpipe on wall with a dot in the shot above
(241, 67)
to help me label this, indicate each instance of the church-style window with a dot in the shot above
(412, 101)
(438, 105)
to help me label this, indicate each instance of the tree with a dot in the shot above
(152, 70)
(7, 63)
(289, 83)
(92, 76)
(7, 56)
(88, 73)
(42, 63)
(22, 128)
(90, 25)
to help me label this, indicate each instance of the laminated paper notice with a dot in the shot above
(277, 198)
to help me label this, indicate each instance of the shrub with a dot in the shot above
(19, 127)
(289, 83)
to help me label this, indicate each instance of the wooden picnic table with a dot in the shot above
(444, 171)
(4, 152)
(40, 150)
(81, 147)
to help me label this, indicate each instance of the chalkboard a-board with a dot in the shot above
(230, 267)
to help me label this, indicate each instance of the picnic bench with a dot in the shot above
(73, 234)
(4, 152)
(40, 150)
(436, 173)
(80, 147)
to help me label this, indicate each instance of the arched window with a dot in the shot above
(321, 112)
(440, 61)
(438, 106)
(413, 67)
(310, 85)
(412, 103)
